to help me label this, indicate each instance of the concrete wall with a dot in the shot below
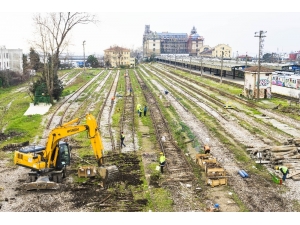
(250, 87)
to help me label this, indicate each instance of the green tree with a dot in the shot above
(25, 64)
(107, 62)
(52, 39)
(93, 61)
(267, 57)
(34, 57)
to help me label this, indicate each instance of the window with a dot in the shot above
(154, 49)
(153, 44)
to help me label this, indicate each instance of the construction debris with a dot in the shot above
(286, 155)
(215, 174)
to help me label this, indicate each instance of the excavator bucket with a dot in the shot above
(109, 173)
(42, 183)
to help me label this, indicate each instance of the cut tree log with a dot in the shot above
(296, 177)
(293, 173)
(283, 148)
(292, 152)
(296, 141)
(262, 162)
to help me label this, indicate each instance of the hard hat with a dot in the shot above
(276, 167)
(161, 153)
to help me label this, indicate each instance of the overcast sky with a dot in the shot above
(123, 23)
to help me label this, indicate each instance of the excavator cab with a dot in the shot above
(64, 155)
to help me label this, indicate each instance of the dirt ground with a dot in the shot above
(91, 195)
(88, 196)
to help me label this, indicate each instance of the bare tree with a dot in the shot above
(53, 30)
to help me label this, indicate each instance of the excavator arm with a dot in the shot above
(49, 162)
(68, 129)
(48, 157)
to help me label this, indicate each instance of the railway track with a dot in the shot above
(105, 116)
(127, 120)
(190, 91)
(177, 166)
(182, 88)
(279, 117)
(81, 107)
(235, 84)
(89, 103)
(61, 110)
(69, 107)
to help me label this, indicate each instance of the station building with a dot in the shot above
(156, 44)
(216, 52)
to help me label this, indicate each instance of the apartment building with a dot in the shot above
(11, 59)
(117, 56)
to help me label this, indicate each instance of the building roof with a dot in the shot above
(209, 51)
(255, 69)
(244, 56)
(117, 48)
(196, 36)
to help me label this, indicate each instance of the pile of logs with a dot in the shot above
(287, 155)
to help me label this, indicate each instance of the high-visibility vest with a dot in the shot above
(283, 168)
(162, 159)
(122, 136)
(138, 106)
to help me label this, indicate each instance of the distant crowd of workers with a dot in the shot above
(140, 110)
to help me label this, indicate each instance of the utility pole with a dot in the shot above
(176, 51)
(175, 60)
(221, 67)
(190, 64)
(261, 35)
(83, 56)
(246, 60)
(201, 63)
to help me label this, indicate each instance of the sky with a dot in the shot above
(123, 23)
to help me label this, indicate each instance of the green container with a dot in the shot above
(275, 179)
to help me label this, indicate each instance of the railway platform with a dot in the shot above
(275, 89)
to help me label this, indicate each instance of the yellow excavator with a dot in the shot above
(48, 163)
